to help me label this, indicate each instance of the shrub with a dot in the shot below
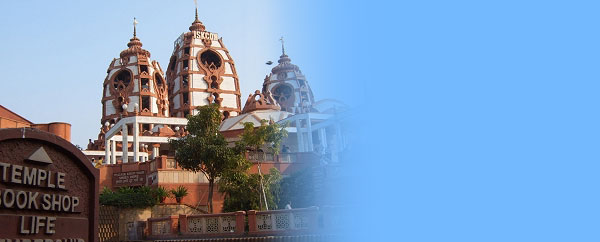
(128, 197)
(160, 193)
(179, 192)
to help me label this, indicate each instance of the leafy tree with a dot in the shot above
(205, 149)
(243, 191)
(298, 189)
(255, 138)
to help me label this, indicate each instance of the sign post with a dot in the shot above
(48, 189)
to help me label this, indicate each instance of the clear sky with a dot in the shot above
(474, 120)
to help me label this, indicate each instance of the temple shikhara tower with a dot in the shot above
(143, 106)
(202, 72)
(134, 85)
(288, 86)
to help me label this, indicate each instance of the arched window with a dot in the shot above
(210, 59)
(158, 79)
(214, 85)
(284, 95)
(213, 82)
(216, 98)
(123, 76)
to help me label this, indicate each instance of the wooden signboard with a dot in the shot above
(48, 189)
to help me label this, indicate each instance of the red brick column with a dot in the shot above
(174, 223)
(240, 222)
(183, 224)
(148, 230)
(252, 221)
(161, 162)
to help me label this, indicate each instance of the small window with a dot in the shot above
(185, 80)
(187, 50)
(214, 85)
(216, 98)
(145, 102)
(185, 98)
(120, 107)
(144, 68)
(145, 82)
(226, 114)
(186, 113)
(186, 64)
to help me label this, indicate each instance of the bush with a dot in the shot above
(128, 197)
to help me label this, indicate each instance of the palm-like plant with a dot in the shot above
(179, 193)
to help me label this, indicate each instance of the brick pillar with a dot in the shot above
(240, 222)
(148, 230)
(251, 221)
(174, 224)
(161, 162)
(183, 225)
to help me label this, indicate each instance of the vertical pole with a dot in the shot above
(155, 150)
(113, 152)
(323, 137)
(309, 132)
(136, 142)
(125, 156)
(106, 152)
(299, 134)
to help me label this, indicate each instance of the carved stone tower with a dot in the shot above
(134, 85)
(202, 72)
(288, 86)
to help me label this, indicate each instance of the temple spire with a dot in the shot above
(197, 24)
(135, 22)
(282, 48)
(196, 3)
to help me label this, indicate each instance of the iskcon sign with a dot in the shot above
(48, 189)
(198, 35)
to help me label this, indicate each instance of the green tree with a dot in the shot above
(206, 150)
(298, 188)
(243, 191)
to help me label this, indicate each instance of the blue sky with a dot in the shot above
(476, 120)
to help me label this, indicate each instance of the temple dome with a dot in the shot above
(135, 48)
(134, 85)
(288, 86)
